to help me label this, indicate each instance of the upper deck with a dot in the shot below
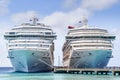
(31, 30)
(87, 32)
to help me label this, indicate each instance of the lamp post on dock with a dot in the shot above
(58, 60)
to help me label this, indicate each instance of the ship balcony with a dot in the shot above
(92, 48)
(105, 37)
(90, 41)
(92, 44)
(25, 47)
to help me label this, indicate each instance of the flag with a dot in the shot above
(70, 27)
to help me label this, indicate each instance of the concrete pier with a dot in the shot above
(97, 71)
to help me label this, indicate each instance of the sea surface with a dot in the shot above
(9, 74)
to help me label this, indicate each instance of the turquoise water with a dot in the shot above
(10, 75)
(55, 76)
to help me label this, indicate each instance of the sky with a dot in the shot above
(59, 14)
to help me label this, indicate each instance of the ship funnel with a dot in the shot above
(84, 22)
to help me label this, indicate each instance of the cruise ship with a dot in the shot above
(31, 46)
(87, 47)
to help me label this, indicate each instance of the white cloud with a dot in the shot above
(90, 5)
(4, 6)
(97, 5)
(115, 60)
(85, 8)
(70, 4)
(64, 18)
(4, 53)
(23, 16)
(61, 20)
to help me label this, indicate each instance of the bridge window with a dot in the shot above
(11, 32)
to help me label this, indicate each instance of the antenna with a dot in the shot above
(34, 20)
(58, 60)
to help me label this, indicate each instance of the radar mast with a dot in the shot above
(84, 22)
(34, 20)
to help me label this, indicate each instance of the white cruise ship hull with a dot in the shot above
(89, 58)
(31, 60)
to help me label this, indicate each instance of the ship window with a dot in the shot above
(48, 33)
(11, 32)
